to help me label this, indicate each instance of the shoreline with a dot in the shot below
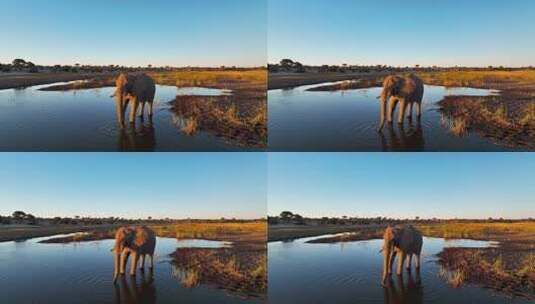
(24, 233)
(24, 80)
(278, 81)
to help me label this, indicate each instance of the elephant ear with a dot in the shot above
(396, 232)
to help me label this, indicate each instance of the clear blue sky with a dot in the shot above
(132, 185)
(442, 185)
(135, 32)
(400, 33)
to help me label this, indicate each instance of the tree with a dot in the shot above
(19, 63)
(298, 219)
(30, 219)
(286, 63)
(18, 215)
(286, 215)
(149, 218)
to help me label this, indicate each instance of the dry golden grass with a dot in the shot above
(234, 231)
(484, 231)
(218, 79)
(480, 79)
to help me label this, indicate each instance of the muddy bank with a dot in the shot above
(363, 83)
(93, 83)
(292, 80)
(292, 232)
(361, 235)
(13, 81)
(18, 234)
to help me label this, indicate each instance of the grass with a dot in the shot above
(481, 79)
(508, 117)
(240, 117)
(243, 272)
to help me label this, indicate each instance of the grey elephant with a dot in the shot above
(405, 241)
(136, 89)
(136, 241)
(408, 91)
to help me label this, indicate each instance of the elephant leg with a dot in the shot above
(417, 262)
(133, 109)
(142, 109)
(151, 261)
(400, 263)
(123, 110)
(418, 110)
(124, 259)
(409, 110)
(142, 262)
(133, 265)
(392, 259)
(401, 113)
(409, 261)
(150, 108)
(391, 108)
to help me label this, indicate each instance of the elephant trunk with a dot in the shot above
(116, 259)
(119, 105)
(383, 100)
(387, 261)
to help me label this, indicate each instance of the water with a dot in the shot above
(82, 273)
(351, 272)
(348, 120)
(85, 120)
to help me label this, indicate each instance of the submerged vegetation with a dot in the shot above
(240, 116)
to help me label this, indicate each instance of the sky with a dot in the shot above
(401, 185)
(135, 185)
(403, 33)
(135, 32)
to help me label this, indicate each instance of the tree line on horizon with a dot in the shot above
(21, 217)
(291, 66)
(21, 65)
(288, 217)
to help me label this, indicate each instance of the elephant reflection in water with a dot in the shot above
(400, 292)
(139, 137)
(409, 139)
(129, 290)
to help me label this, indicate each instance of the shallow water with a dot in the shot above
(82, 273)
(350, 272)
(300, 120)
(85, 120)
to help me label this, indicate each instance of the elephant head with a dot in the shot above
(391, 239)
(124, 238)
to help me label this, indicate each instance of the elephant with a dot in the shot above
(136, 89)
(405, 241)
(407, 91)
(136, 241)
